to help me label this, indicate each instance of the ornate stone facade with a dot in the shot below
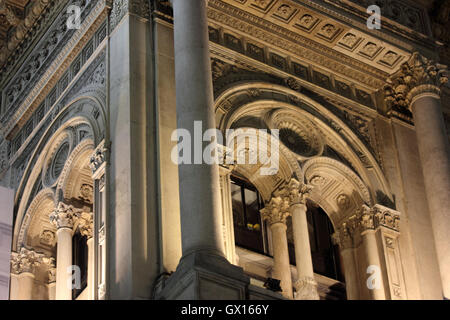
(86, 141)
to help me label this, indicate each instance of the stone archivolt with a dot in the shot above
(417, 76)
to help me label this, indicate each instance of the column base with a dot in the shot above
(306, 288)
(203, 275)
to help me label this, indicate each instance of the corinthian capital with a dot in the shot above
(416, 76)
(296, 192)
(345, 234)
(86, 224)
(25, 261)
(64, 216)
(379, 216)
(276, 210)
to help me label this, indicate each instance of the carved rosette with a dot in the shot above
(306, 288)
(25, 261)
(86, 224)
(64, 216)
(276, 210)
(416, 76)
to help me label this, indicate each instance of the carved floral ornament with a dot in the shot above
(276, 210)
(416, 76)
(25, 261)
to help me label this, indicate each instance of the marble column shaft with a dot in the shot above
(434, 151)
(199, 184)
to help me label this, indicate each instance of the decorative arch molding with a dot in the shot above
(83, 118)
(71, 174)
(266, 184)
(259, 99)
(45, 199)
(336, 188)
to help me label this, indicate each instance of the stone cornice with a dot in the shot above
(54, 72)
(23, 28)
(417, 76)
(295, 43)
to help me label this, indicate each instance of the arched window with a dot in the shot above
(249, 229)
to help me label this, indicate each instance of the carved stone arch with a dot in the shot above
(36, 222)
(76, 172)
(265, 183)
(88, 105)
(261, 99)
(336, 188)
(76, 113)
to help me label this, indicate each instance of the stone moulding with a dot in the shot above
(280, 37)
(56, 70)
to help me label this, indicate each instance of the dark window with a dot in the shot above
(249, 229)
(80, 259)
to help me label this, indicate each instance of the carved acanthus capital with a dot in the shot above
(276, 210)
(345, 235)
(378, 215)
(306, 289)
(366, 219)
(416, 76)
(86, 224)
(25, 261)
(298, 192)
(64, 216)
(51, 268)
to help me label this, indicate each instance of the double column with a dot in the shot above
(417, 87)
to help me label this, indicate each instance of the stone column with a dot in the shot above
(275, 213)
(23, 265)
(344, 237)
(417, 87)
(199, 183)
(200, 205)
(63, 218)
(86, 228)
(306, 285)
(371, 251)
